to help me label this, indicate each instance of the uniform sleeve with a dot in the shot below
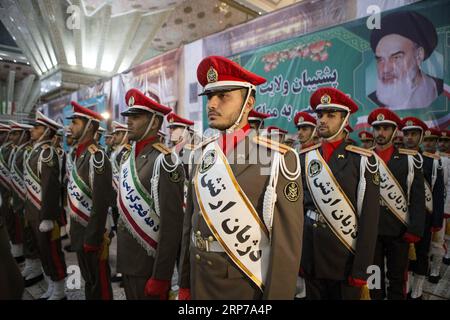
(367, 226)
(416, 208)
(171, 222)
(438, 200)
(101, 195)
(50, 187)
(287, 234)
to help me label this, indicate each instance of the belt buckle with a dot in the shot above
(200, 243)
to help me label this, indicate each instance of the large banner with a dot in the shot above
(403, 66)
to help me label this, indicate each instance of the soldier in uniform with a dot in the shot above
(252, 249)
(415, 131)
(256, 119)
(367, 140)
(89, 196)
(109, 142)
(444, 151)
(43, 204)
(342, 184)
(402, 209)
(398, 140)
(306, 129)
(150, 203)
(11, 282)
(32, 273)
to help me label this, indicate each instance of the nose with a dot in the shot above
(212, 102)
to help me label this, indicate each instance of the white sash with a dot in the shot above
(330, 200)
(136, 207)
(79, 196)
(391, 193)
(32, 184)
(4, 171)
(230, 215)
(17, 180)
(428, 197)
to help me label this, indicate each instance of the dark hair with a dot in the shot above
(244, 93)
(95, 124)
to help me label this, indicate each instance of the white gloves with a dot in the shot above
(46, 226)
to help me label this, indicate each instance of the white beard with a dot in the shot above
(403, 94)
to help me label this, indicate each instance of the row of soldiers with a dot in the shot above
(240, 214)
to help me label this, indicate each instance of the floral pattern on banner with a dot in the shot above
(316, 51)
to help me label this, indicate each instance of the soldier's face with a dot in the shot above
(430, 144)
(137, 124)
(383, 133)
(37, 132)
(367, 144)
(444, 145)
(176, 133)
(77, 127)
(411, 138)
(304, 133)
(224, 108)
(329, 123)
(117, 137)
(14, 136)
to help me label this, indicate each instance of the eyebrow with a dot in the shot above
(393, 54)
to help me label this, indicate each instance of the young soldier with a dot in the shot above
(89, 196)
(150, 203)
(342, 185)
(402, 209)
(367, 140)
(237, 244)
(43, 204)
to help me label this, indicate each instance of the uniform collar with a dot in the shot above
(140, 145)
(81, 147)
(385, 154)
(329, 147)
(229, 141)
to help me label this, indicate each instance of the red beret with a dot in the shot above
(80, 111)
(138, 102)
(409, 123)
(176, 120)
(272, 129)
(304, 119)
(216, 73)
(383, 116)
(254, 115)
(329, 98)
(117, 126)
(365, 135)
(432, 133)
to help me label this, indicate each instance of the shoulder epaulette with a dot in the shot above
(359, 150)
(408, 151)
(161, 148)
(310, 148)
(205, 142)
(271, 144)
(93, 149)
(431, 155)
(190, 146)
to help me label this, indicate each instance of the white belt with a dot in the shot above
(208, 244)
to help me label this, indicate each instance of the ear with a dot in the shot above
(156, 122)
(250, 103)
(420, 55)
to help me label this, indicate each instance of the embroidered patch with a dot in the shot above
(376, 179)
(208, 161)
(175, 176)
(292, 191)
(315, 167)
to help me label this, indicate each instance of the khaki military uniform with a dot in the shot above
(94, 263)
(213, 275)
(43, 162)
(133, 261)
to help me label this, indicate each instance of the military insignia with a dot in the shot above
(409, 123)
(131, 101)
(212, 75)
(292, 191)
(363, 136)
(315, 167)
(428, 133)
(171, 120)
(380, 117)
(175, 176)
(208, 161)
(301, 119)
(325, 99)
(376, 179)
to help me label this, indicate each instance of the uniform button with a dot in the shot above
(197, 256)
(315, 225)
(209, 263)
(199, 233)
(210, 239)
